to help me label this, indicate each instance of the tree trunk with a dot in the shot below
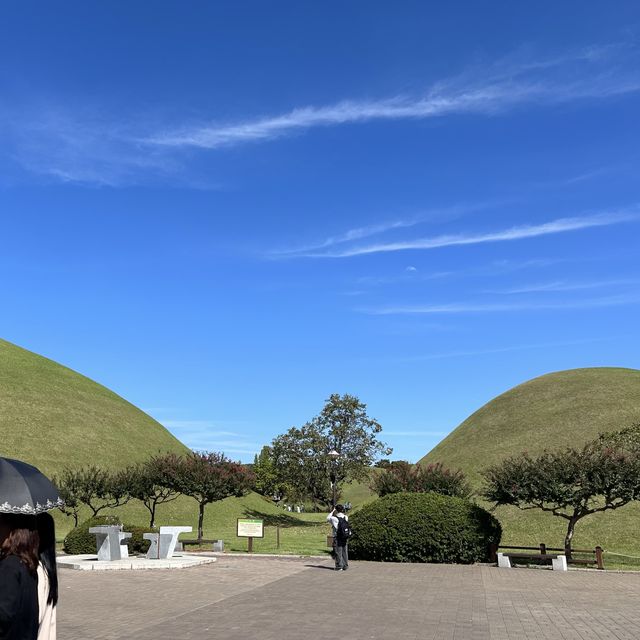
(569, 537)
(151, 508)
(200, 521)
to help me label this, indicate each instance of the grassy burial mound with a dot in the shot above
(53, 417)
(566, 408)
(551, 412)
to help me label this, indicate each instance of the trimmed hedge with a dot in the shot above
(423, 527)
(80, 541)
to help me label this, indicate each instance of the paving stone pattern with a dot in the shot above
(273, 598)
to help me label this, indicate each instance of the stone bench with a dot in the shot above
(163, 544)
(558, 562)
(217, 545)
(109, 542)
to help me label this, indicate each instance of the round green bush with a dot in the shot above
(80, 541)
(136, 543)
(423, 527)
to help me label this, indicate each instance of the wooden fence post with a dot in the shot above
(599, 560)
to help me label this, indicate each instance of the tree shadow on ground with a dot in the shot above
(279, 520)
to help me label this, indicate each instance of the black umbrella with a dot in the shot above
(25, 490)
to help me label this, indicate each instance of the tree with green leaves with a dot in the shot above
(68, 486)
(267, 481)
(146, 484)
(401, 476)
(206, 477)
(94, 487)
(573, 483)
(301, 455)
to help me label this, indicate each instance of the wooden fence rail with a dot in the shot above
(543, 549)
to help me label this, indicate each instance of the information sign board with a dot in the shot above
(249, 528)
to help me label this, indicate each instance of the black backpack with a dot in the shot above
(343, 531)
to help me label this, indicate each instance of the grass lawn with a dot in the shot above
(303, 534)
(300, 533)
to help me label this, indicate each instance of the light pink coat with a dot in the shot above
(47, 612)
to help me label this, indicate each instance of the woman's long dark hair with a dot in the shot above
(23, 540)
(47, 554)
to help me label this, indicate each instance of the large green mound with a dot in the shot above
(560, 409)
(53, 417)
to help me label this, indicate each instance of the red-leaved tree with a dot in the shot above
(206, 477)
(401, 476)
(571, 483)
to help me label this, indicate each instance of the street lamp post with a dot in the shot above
(334, 455)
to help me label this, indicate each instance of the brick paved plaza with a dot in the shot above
(291, 599)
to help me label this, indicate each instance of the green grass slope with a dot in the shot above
(53, 417)
(303, 533)
(560, 409)
(556, 410)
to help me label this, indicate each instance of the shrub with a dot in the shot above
(136, 543)
(80, 541)
(423, 527)
(401, 476)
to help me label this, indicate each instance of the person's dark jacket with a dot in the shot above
(18, 601)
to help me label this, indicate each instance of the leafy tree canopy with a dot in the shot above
(401, 476)
(572, 483)
(146, 485)
(94, 487)
(205, 476)
(301, 455)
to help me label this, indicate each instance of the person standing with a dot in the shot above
(341, 533)
(19, 542)
(47, 578)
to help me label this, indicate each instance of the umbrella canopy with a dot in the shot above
(25, 490)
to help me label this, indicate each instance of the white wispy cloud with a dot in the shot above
(208, 427)
(562, 286)
(350, 235)
(359, 233)
(88, 144)
(461, 353)
(208, 435)
(590, 175)
(410, 433)
(495, 268)
(579, 75)
(470, 308)
(561, 225)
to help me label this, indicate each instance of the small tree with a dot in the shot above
(401, 476)
(301, 454)
(207, 477)
(68, 489)
(97, 488)
(146, 485)
(570, 484)
(267, 481)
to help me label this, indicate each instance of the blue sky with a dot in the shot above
(228, 211)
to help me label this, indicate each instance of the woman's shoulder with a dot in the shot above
(11, 561)
(12, 565)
